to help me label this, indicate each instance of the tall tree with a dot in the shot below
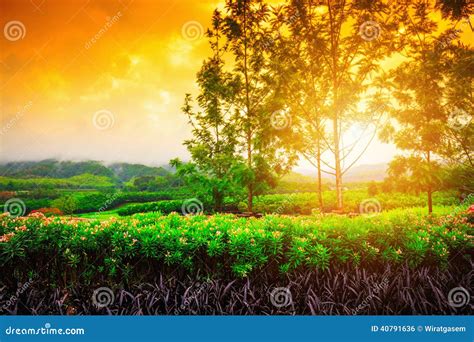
(340, 47)
(296, 62)
(214, 142)
(247, 28)
(426, 94)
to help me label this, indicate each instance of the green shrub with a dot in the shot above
(232, 244)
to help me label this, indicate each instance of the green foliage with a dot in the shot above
(238, 245)
(67, 205)
(306, 203)
(84, 181)
(54, 169)
(372, 189)
(164, 207)
(125, 171)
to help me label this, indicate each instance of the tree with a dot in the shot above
(458, 101)
(426, 96)
(247, 31)
(297, 71)
(67, 204)
(214, 141)
(372, 189)
(339, 45)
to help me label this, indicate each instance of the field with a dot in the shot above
(173, 264)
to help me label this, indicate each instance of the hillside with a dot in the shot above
(52, 168)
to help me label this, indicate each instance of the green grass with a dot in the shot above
(104, 215)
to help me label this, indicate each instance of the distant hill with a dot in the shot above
(361, 173)
(52, 168)
(365, 173)
(125, 171)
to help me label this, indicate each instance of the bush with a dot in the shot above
(48, 211)
(165, 207)
(225, 243)
(307, 203)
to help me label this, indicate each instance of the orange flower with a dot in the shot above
(22, 228)
(7, 237)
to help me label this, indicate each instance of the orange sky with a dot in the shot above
(55, 78)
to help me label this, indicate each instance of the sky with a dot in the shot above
(104, 80)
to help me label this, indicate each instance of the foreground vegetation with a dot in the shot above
(67, 253)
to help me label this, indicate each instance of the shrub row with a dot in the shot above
(225, 243)
(307, 203)
(164, 207)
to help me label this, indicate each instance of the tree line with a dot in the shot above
(288, 82)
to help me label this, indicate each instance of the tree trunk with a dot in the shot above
(430, 200)
(337, 160)
(335, 87)
(320, 187)
(250, 185)
(430, 189)
(250, 198)
(249, 115)
(218, 200)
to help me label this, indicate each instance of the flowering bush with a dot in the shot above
(231, 245)
(48, 211)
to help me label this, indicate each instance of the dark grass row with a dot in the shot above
(389, 290)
